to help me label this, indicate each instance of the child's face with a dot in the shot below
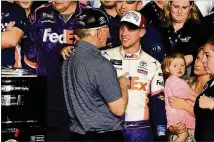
(177, 67)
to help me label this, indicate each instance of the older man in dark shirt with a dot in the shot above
(91, 87)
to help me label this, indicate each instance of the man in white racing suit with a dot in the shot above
(146, 81)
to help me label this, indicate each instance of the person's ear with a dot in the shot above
(142, 32)
(99, 33)
(139, 5)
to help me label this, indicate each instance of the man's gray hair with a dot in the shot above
(83, 33)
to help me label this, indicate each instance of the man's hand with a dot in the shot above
(206, 102)
(177, 103)
(10, 25)
(124, 81)
(66, 52)
(118, 107)
(178, 128)
(124, 86)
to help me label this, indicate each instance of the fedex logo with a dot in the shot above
(161, 83)
(136, 84)
(66, 37)
(127, 56)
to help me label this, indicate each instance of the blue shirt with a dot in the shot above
(90, 83)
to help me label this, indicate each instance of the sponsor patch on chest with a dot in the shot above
(116, 62)
(142, 71)
(49, 16)
(142, 64)
(155, 48)
(186, 39)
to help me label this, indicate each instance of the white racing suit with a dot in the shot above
(145, 94)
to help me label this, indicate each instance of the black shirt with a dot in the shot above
(204, 129)
(184, 41)
(114, 26)
(11, 12)
(151, 11)
(152, 42)
(207, 29)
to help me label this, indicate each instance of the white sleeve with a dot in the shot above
(157, 84)
(105, 54)
(204, 7)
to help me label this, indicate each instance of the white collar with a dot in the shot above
(131, 56)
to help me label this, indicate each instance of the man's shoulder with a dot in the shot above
(44, 7)
(17, 8)
(45, 10)
(9, 5)
(109, 53)
(88, 58)
(150, 59)
(12, 8)
(145, 9)
(80, 7)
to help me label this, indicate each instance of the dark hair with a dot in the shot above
(210, 41)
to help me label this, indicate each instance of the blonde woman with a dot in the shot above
(179, 20)
(197, 83)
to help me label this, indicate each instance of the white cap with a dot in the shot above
(135, 18)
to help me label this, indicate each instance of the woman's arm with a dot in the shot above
(188, 59)
(179, 103)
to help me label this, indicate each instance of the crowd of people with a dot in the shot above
(124, 71)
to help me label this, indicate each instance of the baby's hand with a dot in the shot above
(192, 97)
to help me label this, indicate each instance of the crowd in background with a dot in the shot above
(166, 48)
